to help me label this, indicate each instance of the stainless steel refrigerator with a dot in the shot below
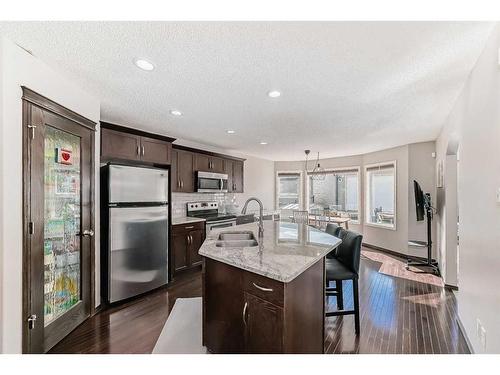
(135, 230)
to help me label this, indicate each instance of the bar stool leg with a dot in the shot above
(356, 305)
(340, 295)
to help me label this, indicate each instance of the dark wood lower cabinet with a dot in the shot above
(247, 313)
(179, 252)
(186, 241)
(195, 241)
(263, 326)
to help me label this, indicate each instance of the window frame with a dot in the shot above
(367, 189)
(301, 188)
(357, 168)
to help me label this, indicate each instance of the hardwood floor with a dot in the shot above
(400, 311)
(131, 327)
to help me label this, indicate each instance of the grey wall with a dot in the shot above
(474, 122)
(413, 161)
(420, 168)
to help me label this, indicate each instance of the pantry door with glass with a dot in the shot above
(58, 221)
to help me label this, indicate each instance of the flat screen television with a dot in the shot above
(419, 201)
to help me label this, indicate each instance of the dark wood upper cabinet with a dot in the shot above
(228, 169)
(234, 170)
(174, 178)
(119, 145)
(209, 163)
(217, 164)
(238, 180)
(155, 151)
(202, 162)
(185, 171)
(182, 171)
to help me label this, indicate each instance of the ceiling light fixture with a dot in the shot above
(144, 64)
(175, 112)
(230, 131)
(317, 173)
(274, 94)
(263, 143)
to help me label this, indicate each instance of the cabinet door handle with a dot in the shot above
(138, 151)
(182, 184)
(188, 239)
(143, 151)
(191, 227)
(262, 288)
(245, 313)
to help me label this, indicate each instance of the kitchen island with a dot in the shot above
(266, 296)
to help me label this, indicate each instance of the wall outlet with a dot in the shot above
(498, 195)
(481, 333)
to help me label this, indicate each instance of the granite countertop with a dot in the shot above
(287, 249)
(186, 220)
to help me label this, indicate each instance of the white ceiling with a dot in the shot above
(347, 87)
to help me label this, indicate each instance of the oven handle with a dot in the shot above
(215, 223)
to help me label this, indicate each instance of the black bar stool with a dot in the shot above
(343, 264)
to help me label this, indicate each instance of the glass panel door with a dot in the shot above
(62, 218)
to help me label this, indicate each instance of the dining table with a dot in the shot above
(318, 218)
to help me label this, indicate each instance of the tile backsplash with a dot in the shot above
(179, 201)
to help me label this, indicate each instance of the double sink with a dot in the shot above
(236, 239)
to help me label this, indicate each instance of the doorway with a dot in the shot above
(452, 225)
(58, 201)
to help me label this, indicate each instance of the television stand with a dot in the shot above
(428, 262)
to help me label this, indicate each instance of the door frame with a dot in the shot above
(30, 98)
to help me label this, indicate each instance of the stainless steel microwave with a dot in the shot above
(208, 182)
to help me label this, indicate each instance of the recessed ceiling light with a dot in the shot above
(230, 131)
(274, 94)
(175, 112)
(263, 143)
(144, 64)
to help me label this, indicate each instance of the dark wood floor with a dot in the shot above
(401, 312)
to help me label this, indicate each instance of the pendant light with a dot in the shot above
(317, 173)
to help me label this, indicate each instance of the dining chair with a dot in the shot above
(344, 265)
(301, 217)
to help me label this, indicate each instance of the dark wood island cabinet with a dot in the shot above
(267, 298)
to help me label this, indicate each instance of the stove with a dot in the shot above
(210, 212)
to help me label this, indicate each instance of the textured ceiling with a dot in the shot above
(347, 87)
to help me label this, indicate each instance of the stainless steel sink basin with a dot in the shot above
(236, 243)
(236, 239)
(235, 236)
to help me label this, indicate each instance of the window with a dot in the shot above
(288, 192)
(381, 195)
(338, 191)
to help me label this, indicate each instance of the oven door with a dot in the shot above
(220, 224)
(207, 182)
